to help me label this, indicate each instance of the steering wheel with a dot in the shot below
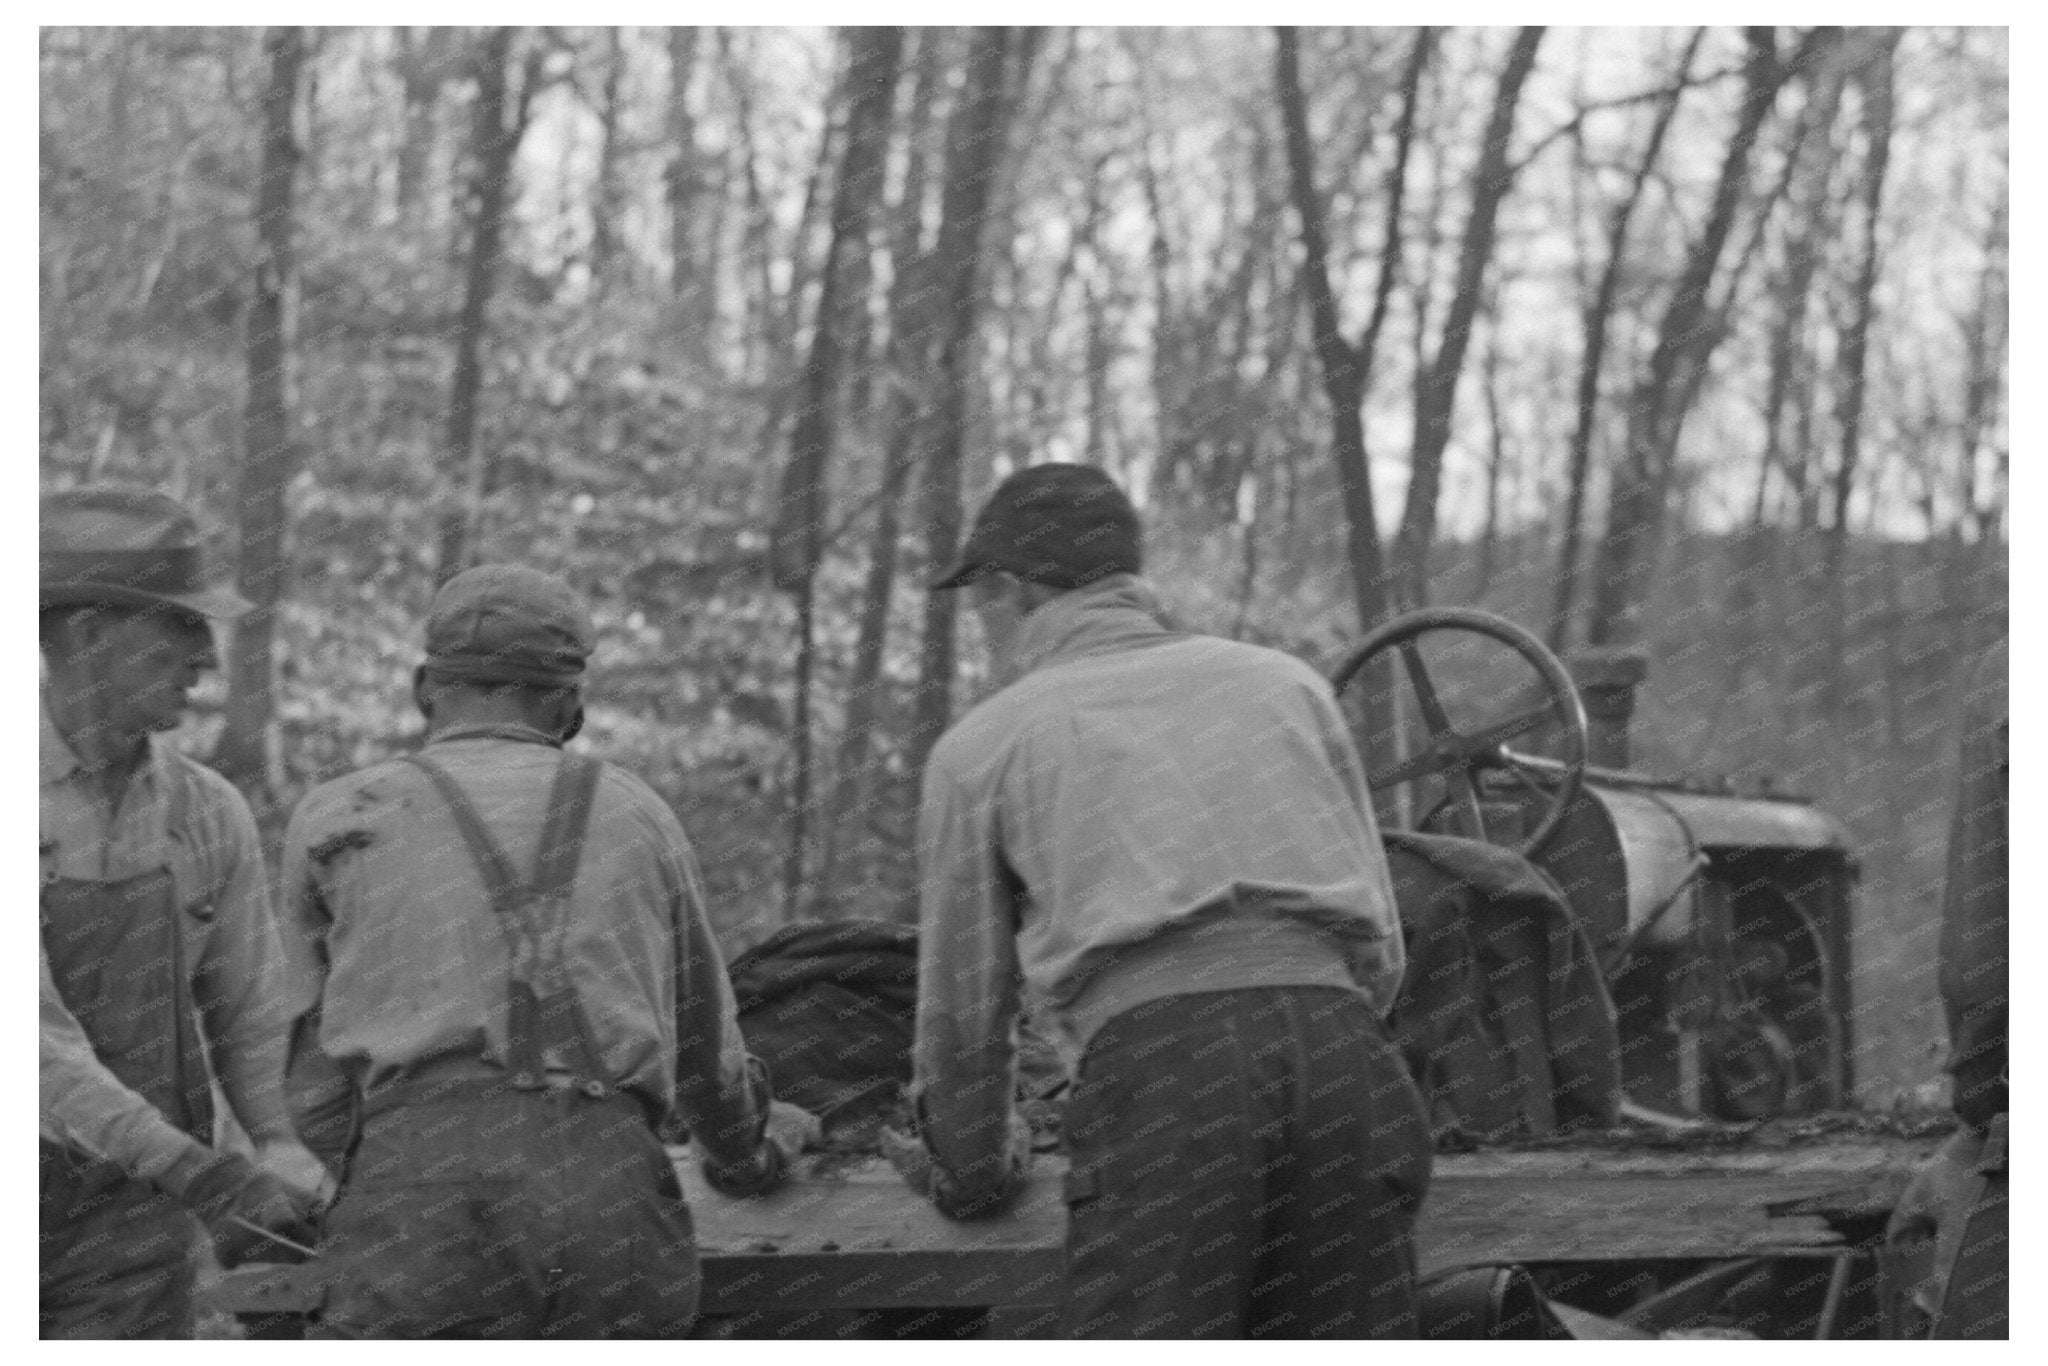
(1461, 756)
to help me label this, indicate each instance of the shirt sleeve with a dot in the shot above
(85, 1106)
(317, 1091)
(241, 980)
(1376, 965)
(967, 985)
(721, 1093)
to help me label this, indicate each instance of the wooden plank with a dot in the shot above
(865, 1207)
(859, 1238)
(1539, 1230)
(1482, 1208)
(882, 1278)
(1818, 1165)
(851, 1236)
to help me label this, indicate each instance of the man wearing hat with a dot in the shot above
(1162, 842)
(159, 952)
(511, 983)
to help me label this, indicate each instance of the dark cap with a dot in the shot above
(505, 623)
(1059, 525)
(132, 547)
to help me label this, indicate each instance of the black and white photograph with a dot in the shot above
(890, 683)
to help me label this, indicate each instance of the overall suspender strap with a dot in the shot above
(500, 881)
(178, 794)
(194, 1078)
(508, 896)
(542, 1005)
(561, 1022)
(561, 839)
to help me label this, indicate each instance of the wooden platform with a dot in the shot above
(852, 1237)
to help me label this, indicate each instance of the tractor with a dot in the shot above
(1718, 921)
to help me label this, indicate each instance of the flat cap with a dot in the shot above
(109, 543)
(1058, 524)
(506, 623)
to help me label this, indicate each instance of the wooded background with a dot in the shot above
(1688, 338)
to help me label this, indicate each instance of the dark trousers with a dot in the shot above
(117, 1255)
(488, 1212)
(1977, 1303)
(1244, 1164)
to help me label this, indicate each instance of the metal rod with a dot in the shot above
(1838, 1284)
(1619, 954)
(274, 1237)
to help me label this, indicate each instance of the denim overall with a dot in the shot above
(116, 1253)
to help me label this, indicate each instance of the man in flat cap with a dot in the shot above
(511, 983)
(1164, 840)
(159, 952)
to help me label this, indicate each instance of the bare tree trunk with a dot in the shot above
(1044, 377)
(1593, 353)
(1812, 226)
(1874, 76)
(757, 314)
(1343, 366)
(1248, 544)
(907, 362)
(1496, 463)
(1393, 237)
(796, 541)
(247, 754)
(604, 213)
(905, 368)
(1985, 347)
(1656, 416)
(795, 538)
(1098, 351)
(1437, 391)
(1097, 348)
(500, 124)
(1803, 463)
(691, 240)
(803, 258)
(785, 321)
(1346, 370)
(1168, 363)
(973, 155)
(422, 70)
(1790, 381)
(868, 328)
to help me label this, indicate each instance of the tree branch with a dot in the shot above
(1668, 91)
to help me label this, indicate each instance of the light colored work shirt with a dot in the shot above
(404, 959)
(231, 940)
(83, 1105)
(1142, 813)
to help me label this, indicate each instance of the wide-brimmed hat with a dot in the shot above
(506, 623)
(131, 547)
(1058, 524)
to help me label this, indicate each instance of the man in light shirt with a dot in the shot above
(1162, 843)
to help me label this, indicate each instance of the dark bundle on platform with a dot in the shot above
(831, 1007)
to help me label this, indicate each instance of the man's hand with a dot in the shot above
(242, 1205)
(913, 1161)
(293, 1163)
(792, 1129)
(789, 1130)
